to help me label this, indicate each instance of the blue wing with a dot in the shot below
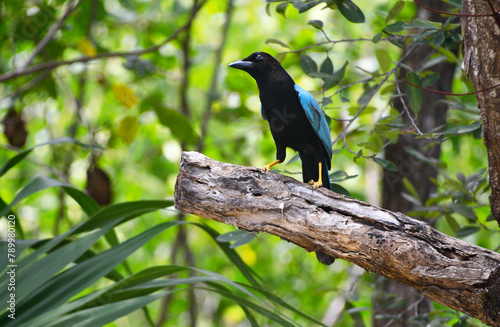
(262, 112)
(316, 118)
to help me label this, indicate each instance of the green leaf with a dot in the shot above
(316, 24)
(409, 186)
(384, 60)
(105, 314)
(279, 42)
(339, 189)
(231, 236)
(281, 8)
(395, 10)
(307, 64)
(327, 66)
(430, 79)
(350, 11)
(464, 210)
(336, 77)
(376, 38)
(394, 28)
(242, 241)
(462, 129)
(75, 279)
(21, 155)
(179, 125)
(452, 222)
(386, 164)
(415, 94)
(466, 231)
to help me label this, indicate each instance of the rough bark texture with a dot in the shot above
(457, 274)
(432, 115)
(481, 50)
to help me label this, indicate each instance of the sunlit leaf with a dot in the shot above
(395, 10)
(415, 94)
(384, 60)
(180, 126)
(386, 164)
(127, 128)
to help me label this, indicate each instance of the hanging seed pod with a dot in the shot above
(98, 185)
(15, 128)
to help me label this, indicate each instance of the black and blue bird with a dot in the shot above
(295, 119)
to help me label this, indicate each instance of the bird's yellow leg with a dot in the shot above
(268, 166)
(319, 183)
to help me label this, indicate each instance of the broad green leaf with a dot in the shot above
(395, 10)
(415, 94)
(307, 64)
(245, 239)
(462, 129)
(430, 79)
(75, 279)
(464, 210)
(281, 8)
(339, 189)
(350, 11)
(279, 42)
(127, 128)
(452, 222)
(107, 313)
(466, 231)
(179, 125)
(394, 28)
(243, 301)
(316, 24)
(231, 236)
(384, 60)
(410, 188)
(327, 66)
(232, 255)
(376, 39)
(386, 164)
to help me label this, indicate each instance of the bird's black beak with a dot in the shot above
(241, 64)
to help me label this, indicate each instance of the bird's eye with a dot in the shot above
(259, 57)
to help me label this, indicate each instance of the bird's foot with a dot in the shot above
(317, 184)
(268, 166)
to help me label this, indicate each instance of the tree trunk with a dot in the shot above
(432, 115)
(481, 50)
(457, 274)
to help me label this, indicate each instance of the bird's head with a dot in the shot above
(259, 65)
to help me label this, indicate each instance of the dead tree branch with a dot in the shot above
(460, 275)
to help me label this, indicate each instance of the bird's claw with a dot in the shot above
(266, 168)
(315, 185)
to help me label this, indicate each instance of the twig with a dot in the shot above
(57, 63)
(448, 13)
(454, 94)
(387, 75)
(50, 34)
(212, 92)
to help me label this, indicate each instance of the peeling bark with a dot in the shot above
(457, 274)
(481, 50)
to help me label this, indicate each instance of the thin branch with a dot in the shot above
(55, 64)
(449, 13)
(387, 75)
(50, 34)
(212, 92)
(454, 94)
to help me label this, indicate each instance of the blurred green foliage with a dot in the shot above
(119, 124)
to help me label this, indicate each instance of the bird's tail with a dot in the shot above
(310, 170)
